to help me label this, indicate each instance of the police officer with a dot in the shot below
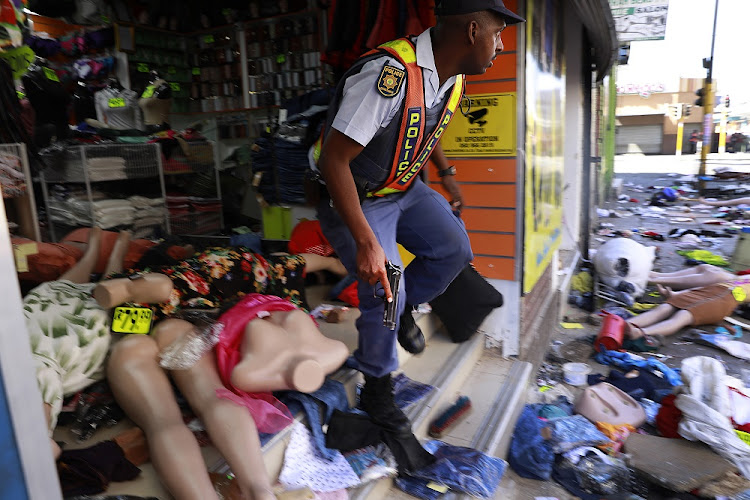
(383, 125)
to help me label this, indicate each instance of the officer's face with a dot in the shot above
(488, 43)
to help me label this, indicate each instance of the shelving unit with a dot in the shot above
(283, 57)
(165, 52)
(216, 71)
(18, 192)
(233, 79)
(193, 188)
(116, 203)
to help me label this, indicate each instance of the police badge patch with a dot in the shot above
(390, 80)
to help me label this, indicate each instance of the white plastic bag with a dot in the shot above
(623, 259)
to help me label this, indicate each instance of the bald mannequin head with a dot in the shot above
(467, 43)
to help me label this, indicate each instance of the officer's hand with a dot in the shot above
(371, 267)
(450, 185)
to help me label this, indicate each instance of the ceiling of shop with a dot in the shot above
(600, 27)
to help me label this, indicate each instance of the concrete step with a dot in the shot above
(497, 389)
(445, 366)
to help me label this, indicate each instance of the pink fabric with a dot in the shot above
(270, 414)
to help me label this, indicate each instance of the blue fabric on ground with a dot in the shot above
(530, 455)
(417, 488)
(406, 391)
(573, 432)
(331, 396)
(627, 361)
(459, 468)
(463, 469)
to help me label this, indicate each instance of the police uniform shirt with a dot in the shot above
(363, 110)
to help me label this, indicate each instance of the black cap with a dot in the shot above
(455, 7)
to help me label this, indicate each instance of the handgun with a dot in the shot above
(394, 279)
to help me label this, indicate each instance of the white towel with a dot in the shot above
(303, 466)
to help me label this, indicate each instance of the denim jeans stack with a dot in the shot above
(282, 164)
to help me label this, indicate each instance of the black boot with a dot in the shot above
(410, 336)
(376, 399)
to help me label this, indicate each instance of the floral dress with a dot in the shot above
(218, 277)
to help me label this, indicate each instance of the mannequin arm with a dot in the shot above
(149, 288)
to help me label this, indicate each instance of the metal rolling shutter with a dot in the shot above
(639, 139)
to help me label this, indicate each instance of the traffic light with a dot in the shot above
(701, 92)
(688, 107)
(726, 101)
(623, 54)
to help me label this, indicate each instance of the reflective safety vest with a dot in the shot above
(414, 146)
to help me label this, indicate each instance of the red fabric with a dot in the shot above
(413, 22)
(426, 12)
(51, 261)
(349, 295)
(54, 259)
(308, 237)
(7, 12)
(136, 249)
(385, 25)
(270, 414)
(357, 49)
(668, 417)
(28, 117)
(743, 272)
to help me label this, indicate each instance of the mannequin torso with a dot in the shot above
(118, 108)
(155, 102)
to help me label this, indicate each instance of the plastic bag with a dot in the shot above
(623, 259)
(598, 473)
(651, 408)
(530, 455)
(568, 433)
(372, 462)
(184, 352)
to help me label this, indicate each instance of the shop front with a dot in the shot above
(178, 125)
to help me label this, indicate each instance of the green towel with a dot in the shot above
(704, 256)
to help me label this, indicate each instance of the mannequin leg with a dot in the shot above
(81, 271)
(702, 275)
(726, 203)
(119, 250)
(655, 315)
(679, 320)
(701, 268)
(55, 447)
(315, 263)
(230, 426)
(142, 389)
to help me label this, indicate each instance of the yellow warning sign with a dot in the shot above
(485, 127)
(132, 320)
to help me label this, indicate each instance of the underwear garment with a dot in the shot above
(708, 304)
(270, 414)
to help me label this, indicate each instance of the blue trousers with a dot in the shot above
(422, 221)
